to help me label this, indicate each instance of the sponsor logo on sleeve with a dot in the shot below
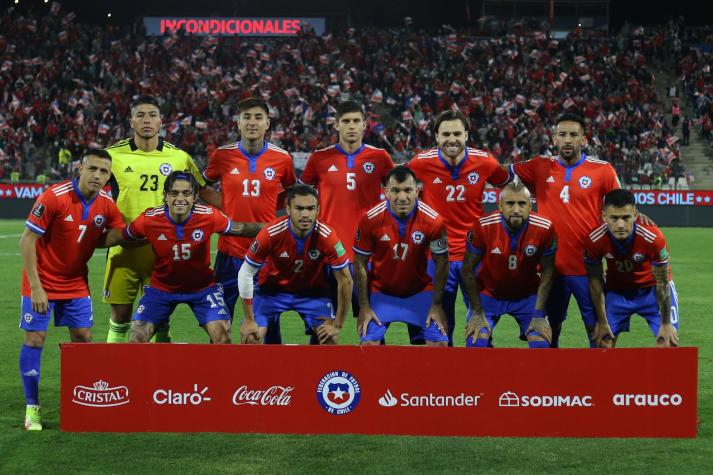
(38, 210)
(340, 249)
(254, 247)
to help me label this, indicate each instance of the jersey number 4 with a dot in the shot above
(564, 194)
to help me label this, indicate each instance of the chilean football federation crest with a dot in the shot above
(197, 235)
(338, 392)
(417, 237)
(638, 257)
(99, 220)
(585, 182)
(269, 173)
(473, 178)
(314, 254)
(368, 167)
(530, 250)
(165, 169)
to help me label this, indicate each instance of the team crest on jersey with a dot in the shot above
(473, 178)
(269, 173)
(638, 257)
(197, 235)
(165, 169)
(106, 293)
(585, 182)
(417, 237)
(314, 254)
(530, 250)
(368, 167)
(99, 220)
(338, 392)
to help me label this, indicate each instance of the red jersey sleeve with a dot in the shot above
(214, 170)
(658, 249)
(388, 164)
(612, 180)
(288, 178)
(310, 175)
(114, 216)
(527, 171)
(593, 251)
(136, 229)
(363, 238)
(473, 241)
(42, 213)
(550, 240)
(258, 250)
(221, 223)
(438, 239)
(335, 252)
(497, 176)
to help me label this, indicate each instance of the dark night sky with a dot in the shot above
(359, 12)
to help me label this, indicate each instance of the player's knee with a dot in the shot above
(80, 335)
(370, 343)
(443, 344)
(34, 339)
(121, 313)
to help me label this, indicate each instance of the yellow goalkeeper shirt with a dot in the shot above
(138, 176)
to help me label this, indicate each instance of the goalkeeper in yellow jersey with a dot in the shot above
(140, 165)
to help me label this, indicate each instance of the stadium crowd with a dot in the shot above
(66, 87)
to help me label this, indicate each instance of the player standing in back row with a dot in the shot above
(349, 177)
(140, 166)
(454, 177)
(569, 189)
(253, 174)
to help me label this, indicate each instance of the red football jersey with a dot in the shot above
(456, 193)
(250, 185)
(510, 262)
(628, 263)
(292, 264)
(71, 228)
(572, 197)
(399, 249)
(182, 250)
(348, 185)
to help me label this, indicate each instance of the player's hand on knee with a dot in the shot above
(40, 302)
(327, 333)
(667, 336)
(477, 327)
(366, 315)
(249, 332)
(438, 315)
(603, 336)
(542, 327)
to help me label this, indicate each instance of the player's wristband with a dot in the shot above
(248, 301)
(538, 314)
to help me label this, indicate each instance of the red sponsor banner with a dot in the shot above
(379, 390)
(647, 197)
(21, 190)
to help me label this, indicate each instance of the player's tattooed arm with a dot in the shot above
(245, 229)
(366, 314)
(547, 274)
(667, 332)
(141, 331)
(211, 196)
(478, 323)
(28, 249)
(603, 336)
(440, 277)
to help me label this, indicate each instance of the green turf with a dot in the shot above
(54, 451)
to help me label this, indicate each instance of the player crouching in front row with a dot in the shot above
(296, 251)
(179, 233)
(397, 235)
(513, 245)
(638, 278)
